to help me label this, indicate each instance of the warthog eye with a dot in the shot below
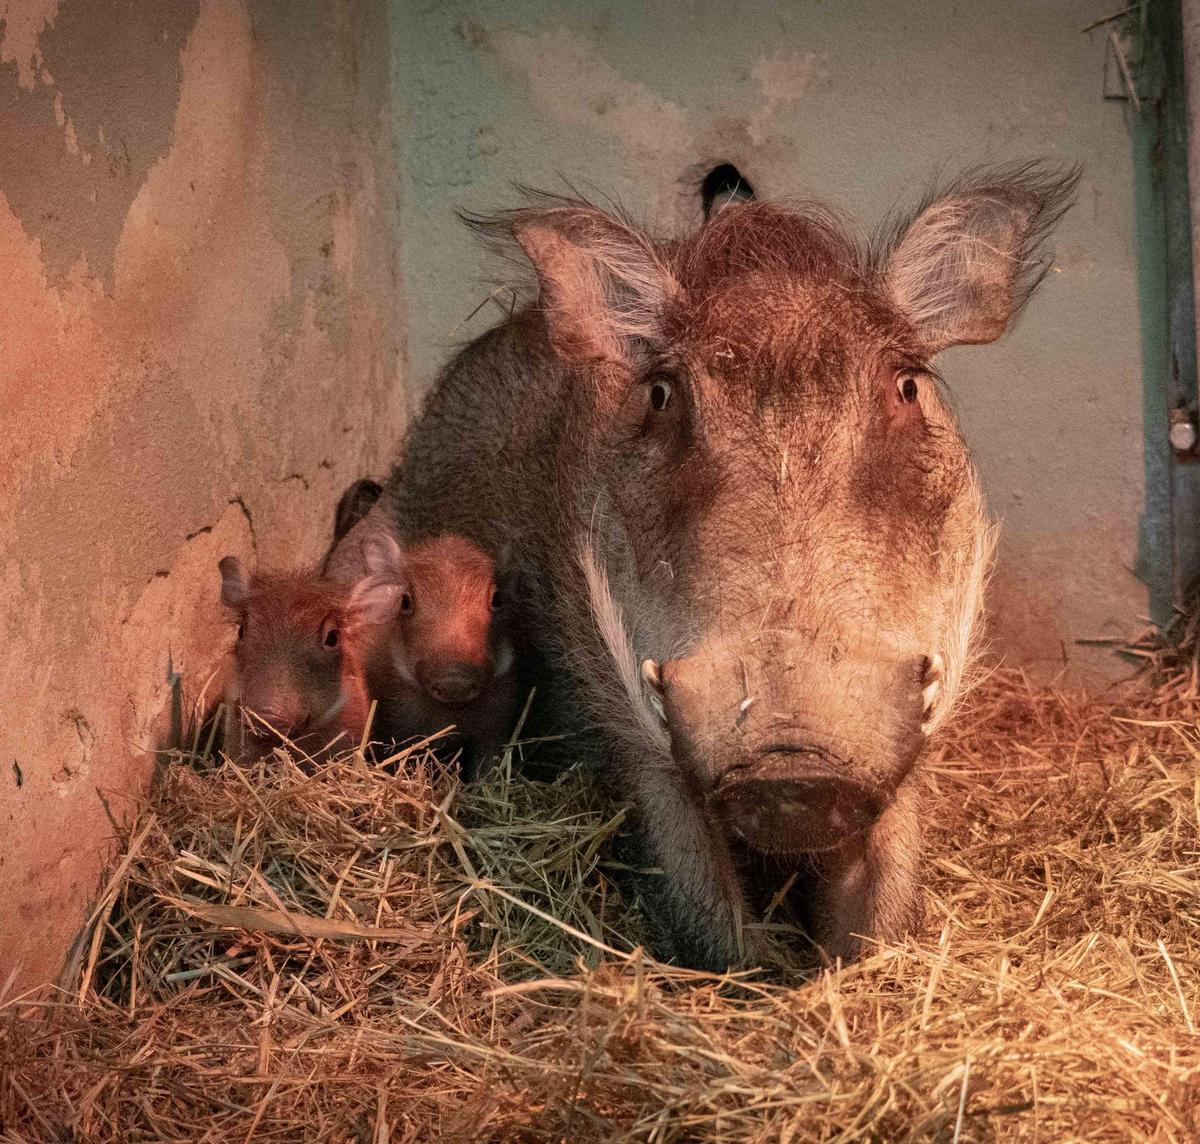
(496, 601)
(241, 630)
(906, 387)
(330, 636)
(406, 604)
(660, 394)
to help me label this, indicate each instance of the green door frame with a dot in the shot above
(1169, 548)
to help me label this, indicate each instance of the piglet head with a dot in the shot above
(450, 637)
(300, 649)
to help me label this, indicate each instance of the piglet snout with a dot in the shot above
(286, 719)
(454, 684)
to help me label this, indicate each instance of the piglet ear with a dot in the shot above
(374, 600)
(382, 554)
(966, 265)
(235, 582)
(355, 503)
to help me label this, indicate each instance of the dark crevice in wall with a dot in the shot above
(1168, 558)
(207, 529)
(72, 768)
(113, 820)
(240, 501)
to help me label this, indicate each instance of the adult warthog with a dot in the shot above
(753, 535)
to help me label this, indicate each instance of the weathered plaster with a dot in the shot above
(859, 104)
(24, 21)
(201, 347)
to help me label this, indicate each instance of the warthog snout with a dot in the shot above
(797, 745)
(794, 800)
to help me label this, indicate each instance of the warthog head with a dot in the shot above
(780, 526)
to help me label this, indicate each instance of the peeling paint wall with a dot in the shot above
(859, 103)
(200, 346)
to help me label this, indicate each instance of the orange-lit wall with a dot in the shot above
(199, 348)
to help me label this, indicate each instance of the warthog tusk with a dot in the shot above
(333, 710)
(934, 670)
(929, 695)
(652, 678)
(743, 707)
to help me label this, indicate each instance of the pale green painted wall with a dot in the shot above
(858, 102)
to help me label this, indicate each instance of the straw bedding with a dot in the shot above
(353, 954)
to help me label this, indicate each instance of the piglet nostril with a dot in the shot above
(457, 685)
(285, 721)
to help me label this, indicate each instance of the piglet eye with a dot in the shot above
(406, 605)
(496, 601)
(906, 387)
(660, 394)
(241, 630)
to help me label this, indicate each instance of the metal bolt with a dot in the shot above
(1183, 434)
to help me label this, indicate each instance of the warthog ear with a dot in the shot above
(235, 582)
(968, 262)
(602, 281)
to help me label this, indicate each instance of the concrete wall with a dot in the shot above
(859, 102)
(199, 347)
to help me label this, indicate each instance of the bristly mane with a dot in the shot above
(801, 239)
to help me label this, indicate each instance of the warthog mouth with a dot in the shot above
(794, 800)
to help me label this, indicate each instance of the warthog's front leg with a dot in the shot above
(694, 903)
(870, 888)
